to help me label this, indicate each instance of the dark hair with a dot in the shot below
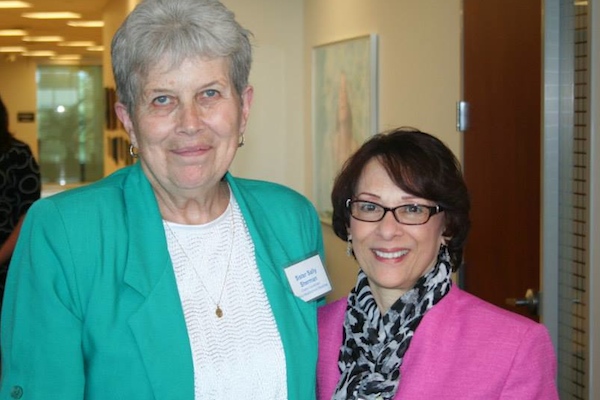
(5, 135)
(420, 164)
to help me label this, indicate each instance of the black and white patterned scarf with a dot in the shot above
(374, 344)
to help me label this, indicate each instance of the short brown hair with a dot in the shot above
(420, 164)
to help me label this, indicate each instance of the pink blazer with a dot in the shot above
(463, 349)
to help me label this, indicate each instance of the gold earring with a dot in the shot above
(133, 152)
(241, 142)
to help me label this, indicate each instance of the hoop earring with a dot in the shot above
(133, 151)
(349, 250)
(241, 142)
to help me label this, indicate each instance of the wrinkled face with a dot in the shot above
(392, 255)
(187, 124)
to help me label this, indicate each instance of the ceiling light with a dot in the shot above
(12, 32)
(39, 53)
(580, 3)
(12, 49)
(14, 4)
(51, 15)
(86, 24)
(66, 57)
(43, 39)
(95, 48)
(78, 44)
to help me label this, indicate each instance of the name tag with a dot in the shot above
(308, 278)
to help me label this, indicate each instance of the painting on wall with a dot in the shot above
(344, 109)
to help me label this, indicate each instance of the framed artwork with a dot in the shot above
(344, 101)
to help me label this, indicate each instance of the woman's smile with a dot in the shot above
(390, 255)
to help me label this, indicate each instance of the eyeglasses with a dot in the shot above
(407, 214)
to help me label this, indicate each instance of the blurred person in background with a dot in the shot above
(20, 186)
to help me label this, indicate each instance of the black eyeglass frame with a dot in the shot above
(432, 211)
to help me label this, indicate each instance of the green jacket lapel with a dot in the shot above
(294, 318)
(159, 325)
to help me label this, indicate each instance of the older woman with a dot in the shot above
(168, 279)
(405, 331)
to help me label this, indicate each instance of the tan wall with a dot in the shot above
(274, 142)
(114, 14)
(18, 88)
(419, 77)
(275, 147)
(419, 70)
(18, 91)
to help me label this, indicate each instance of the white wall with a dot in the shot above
(275, 147)
(419, 78)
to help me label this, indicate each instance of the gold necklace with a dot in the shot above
(218, 310)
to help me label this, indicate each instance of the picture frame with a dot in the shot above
(344, 109)
(110, 96)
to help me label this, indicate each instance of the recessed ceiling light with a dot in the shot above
(86, 24)
(39, 53)
(14, 4)
(95, 48)
(51, 15)
(12, 49)
(78, 44)
(12, 32)
(43, 39)
(66, 57)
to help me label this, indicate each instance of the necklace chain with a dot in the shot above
(218, 310)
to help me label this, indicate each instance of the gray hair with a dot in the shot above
(178, 30)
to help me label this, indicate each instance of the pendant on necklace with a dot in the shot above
(219, 312)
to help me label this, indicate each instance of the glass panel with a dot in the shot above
(573, 348)
(70, 124)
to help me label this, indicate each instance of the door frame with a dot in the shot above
(551, 120)
(555, 121)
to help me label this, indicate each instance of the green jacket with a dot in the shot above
(92, 311)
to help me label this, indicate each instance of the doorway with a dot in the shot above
(502, 148)
(526, 77)
(70, 106)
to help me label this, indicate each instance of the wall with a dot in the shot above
(275, 143)
(419, 77)
(275, 149)
(18, 91)
(419, 70)
(113, 15)
(18, 83)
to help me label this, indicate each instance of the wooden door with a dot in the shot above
(502, 147)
